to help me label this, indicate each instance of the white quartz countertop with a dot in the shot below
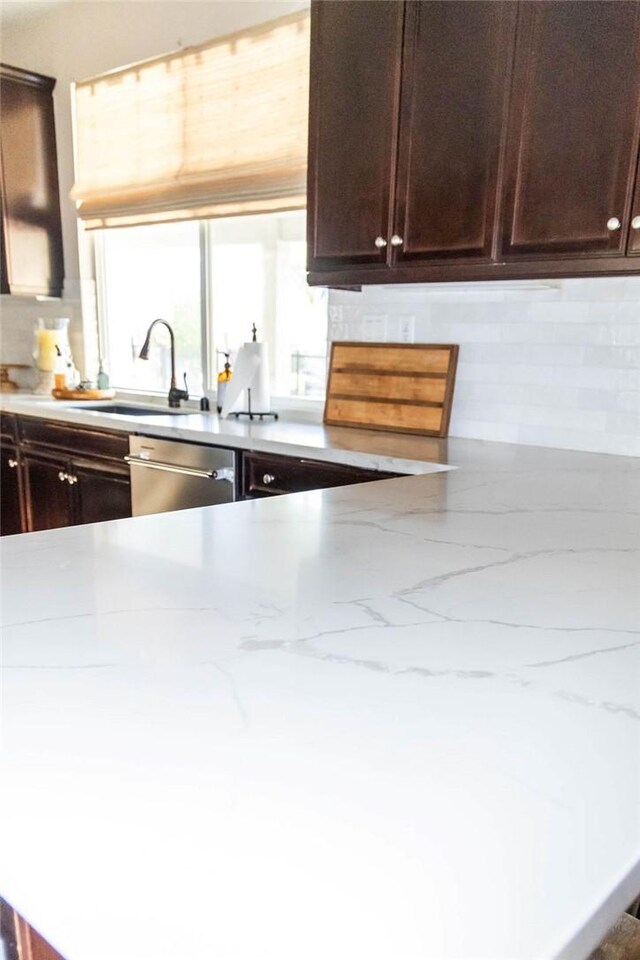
(396, 720)
(293, 434)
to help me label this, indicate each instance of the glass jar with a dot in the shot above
(51, 341)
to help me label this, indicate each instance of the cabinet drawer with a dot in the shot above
(78, 440)
(267, 476)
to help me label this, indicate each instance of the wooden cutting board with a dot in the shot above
(68, 394)
(402, 387)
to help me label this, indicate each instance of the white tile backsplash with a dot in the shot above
(553, 363)
(17, 322)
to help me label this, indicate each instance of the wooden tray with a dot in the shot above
(401, 387)
(83, 394)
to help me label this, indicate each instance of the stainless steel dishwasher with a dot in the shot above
(175, 476)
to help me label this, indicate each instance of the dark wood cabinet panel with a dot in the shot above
(32, 262)
(62, 487)
(11, 513)
(355, 85)
(509, 130)
(573, 131)
(8, 427)
(454, 95)
(61, 492)
(72, 475)
(100, 493)
(265, 475)
(47, 492)
(73, 439)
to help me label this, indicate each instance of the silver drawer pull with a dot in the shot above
(224, 473)
(12, 463)
(268, 478)
(62, 475)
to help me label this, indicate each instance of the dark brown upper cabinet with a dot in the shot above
(406, 109)
(31, 262)
(572, 143)
(473, 139)
(456, 66)
(353, 118)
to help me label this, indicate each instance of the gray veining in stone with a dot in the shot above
(396, 720)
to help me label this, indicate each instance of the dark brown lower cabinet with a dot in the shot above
(58, 475)
(11, 515)
(47, 493)
(100, 493)
(266, 475)
(61, 493)
(65, 475)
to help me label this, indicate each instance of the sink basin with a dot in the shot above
(130, 410)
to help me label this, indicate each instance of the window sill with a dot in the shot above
(299, 408)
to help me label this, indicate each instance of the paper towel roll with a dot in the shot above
(260, 390)
(251, 371)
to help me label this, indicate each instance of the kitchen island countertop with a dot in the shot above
(395, 720)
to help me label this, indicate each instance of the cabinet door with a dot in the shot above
(456, 69)
(99, 493)
(30, 203)
(11, 518)
(572, 137)
(47, 492)
(356, 48)
(266, 475)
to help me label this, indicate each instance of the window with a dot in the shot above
(251, 269)
(145, 273)
(191, 171)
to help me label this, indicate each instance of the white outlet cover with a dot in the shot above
(407, 329)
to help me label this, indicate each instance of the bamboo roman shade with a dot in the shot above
(214, 130)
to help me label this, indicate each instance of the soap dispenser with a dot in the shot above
(223, 379)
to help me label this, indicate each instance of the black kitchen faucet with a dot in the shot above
(175, 394)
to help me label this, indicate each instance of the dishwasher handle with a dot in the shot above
(225, 473)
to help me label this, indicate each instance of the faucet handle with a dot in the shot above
(186, 387)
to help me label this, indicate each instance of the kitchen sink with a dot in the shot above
(129, 410)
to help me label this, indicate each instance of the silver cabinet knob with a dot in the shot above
(12, 463)
(613, 223)
(71, 478)
(62, 475)
(267, 479)
(380, 242)
(635, 223)
(396, 241)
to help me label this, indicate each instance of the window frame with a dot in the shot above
(208, 360)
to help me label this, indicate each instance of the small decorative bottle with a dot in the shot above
(223, 379)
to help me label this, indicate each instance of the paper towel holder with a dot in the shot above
(252, 414)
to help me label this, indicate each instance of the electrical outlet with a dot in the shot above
(407, 329)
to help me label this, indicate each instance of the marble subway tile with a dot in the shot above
(553, 363)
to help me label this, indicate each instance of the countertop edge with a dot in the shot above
(179, 430)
